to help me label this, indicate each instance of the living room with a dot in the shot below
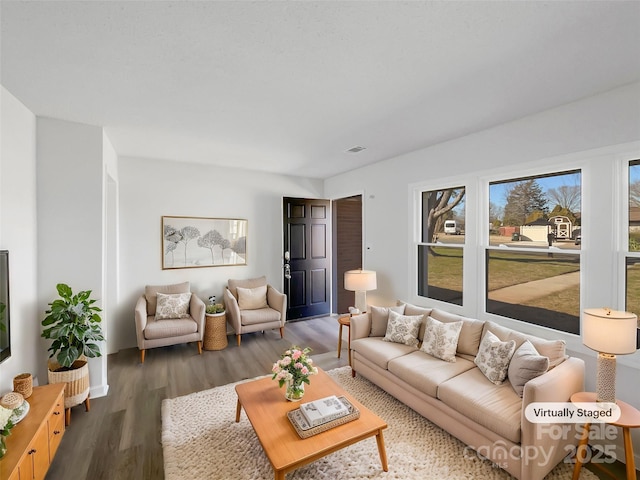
(79, 208)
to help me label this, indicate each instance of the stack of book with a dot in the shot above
(321, 415)
(323, 410)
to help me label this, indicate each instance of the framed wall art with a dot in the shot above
(191, 242)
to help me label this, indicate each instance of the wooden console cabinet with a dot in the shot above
(34, 441)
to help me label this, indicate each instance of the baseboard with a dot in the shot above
(99, 391)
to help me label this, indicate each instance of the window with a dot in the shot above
(632, 280)
(533, 257)
(440, 250)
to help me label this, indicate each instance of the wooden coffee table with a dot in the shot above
(264, 403)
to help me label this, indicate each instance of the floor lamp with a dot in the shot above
(360, 281)
(610, 333)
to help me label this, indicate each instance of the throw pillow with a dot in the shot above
(403, 329)
(172, 305)
(494, 356)
(252, 298)
(380, 317)
(441, 339)
(526, 365)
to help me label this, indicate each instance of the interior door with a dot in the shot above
(307, 256)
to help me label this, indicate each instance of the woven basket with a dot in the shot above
(23, 384)
(215, 331)
(77, 380)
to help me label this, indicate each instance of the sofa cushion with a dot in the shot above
(172, 305)
(380, 317)
(496, 407)
(174, 327)
(261, 315)
(425, 372)
(525, 365)
(403, 329)
(151, 291)
(471, 332)
(554, 350)
(415, 310)
(252, 298)
(379, 352)
(494, 356)
(441, 339)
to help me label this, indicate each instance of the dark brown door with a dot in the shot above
(307, 257)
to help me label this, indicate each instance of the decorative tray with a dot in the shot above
(303, 429)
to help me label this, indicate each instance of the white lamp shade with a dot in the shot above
(609, 331)
(360, 280)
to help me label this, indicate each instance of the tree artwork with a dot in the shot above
(223, 242)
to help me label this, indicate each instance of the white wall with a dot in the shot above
(593, 134)
(70, 218)
(18, 228)
(150, 189)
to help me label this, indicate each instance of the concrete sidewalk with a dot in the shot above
(524, 292)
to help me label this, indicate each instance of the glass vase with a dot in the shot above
(294, 391)
(3, 446)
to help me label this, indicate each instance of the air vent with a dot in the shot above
(356, 149)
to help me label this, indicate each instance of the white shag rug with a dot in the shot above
(201, 439)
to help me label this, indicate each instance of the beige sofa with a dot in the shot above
(459, 398)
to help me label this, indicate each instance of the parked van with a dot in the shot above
(451, 227)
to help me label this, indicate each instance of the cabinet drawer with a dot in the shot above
(56, 427)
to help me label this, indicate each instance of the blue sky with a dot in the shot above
(497, 192)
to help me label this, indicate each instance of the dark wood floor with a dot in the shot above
(120, 438)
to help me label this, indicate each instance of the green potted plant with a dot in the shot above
(73, 323)
(214, 309)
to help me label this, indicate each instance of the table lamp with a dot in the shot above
(360, 281)
(610, 333)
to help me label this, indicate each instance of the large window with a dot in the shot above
(632, 303)
(440, 250)
(533, 257)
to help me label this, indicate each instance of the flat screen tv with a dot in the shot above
(5, 334)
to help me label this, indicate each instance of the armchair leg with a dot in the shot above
(199, 348)
(238, 338)
(142, 356)
(281, 332)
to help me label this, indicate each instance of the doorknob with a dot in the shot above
(287, 271)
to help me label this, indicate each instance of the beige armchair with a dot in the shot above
(152, 330)
(253, 305)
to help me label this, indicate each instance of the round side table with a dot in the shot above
(629, 418)
(215, 331)
(344, 321)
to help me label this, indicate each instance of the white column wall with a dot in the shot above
(18, 230)
(70, 218)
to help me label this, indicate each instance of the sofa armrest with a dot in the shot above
(277, 301)
(197, 310)
(233, 310)
(140, 313)
(360, 326)
(556, 385)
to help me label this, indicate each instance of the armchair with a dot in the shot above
(153, 330)
(253, 305)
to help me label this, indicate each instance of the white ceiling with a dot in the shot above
(287, 87)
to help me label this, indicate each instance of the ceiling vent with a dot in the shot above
(356, 149)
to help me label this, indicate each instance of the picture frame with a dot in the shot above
(195, 242)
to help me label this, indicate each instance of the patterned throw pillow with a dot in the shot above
(441, 339)
(526, 365)
(494, 356)
(403, 329)
(175, 305)
(252, 298)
